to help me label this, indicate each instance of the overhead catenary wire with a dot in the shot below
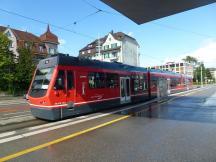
(155, 23)
(98, 10)
(44, 22)
(181, 29)
(93, 6)
(83, 18)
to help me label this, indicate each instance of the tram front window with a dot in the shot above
(41, 82)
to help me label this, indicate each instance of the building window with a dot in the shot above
(114, 45)
(106, 47)
(26, 45)
(10, 44)
(41, 48)
(98, 48)
(106, 55)
(89, 51)
(83, 52)
(51, 51)
(114, 54)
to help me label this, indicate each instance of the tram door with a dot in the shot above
(125, 90)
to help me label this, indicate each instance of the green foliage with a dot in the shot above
(6, 64)
(190, 59)
(15, 75)
(206, 75)
(24, 69)
(200, 68)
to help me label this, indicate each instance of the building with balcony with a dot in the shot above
(114, 47)
(180, 67)
(40, 46)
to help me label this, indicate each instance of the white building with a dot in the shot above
(114, 47)
(180, 67)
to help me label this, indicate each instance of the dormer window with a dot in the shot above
(89, 51)
(8, 34)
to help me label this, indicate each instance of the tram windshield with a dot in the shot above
(42, 78)
(41, 82)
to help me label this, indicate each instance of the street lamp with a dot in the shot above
(201, 75)
(199, 64)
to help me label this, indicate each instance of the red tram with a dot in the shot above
(65, 86)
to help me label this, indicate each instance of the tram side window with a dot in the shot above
(60, 81)
(111, 80)
(70, 79)
(135, 80)
(91, 79)
(179, 81)
(96, 80)
(173, 82)
(154, 81)
(143, 83)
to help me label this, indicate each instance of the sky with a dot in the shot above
(168, 39)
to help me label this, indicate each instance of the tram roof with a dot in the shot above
(66, 60)
(164, 72)
(62, 59)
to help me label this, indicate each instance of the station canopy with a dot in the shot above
(142, 11)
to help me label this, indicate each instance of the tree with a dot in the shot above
(208, 75)
(190, 59)
(24, 69)
(6, 64)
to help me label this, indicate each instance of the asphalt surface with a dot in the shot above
(15, 114)
(182, 129)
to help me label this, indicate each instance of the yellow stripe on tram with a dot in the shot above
(12, 156)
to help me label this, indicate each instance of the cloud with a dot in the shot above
(62, 42)
(206, 53)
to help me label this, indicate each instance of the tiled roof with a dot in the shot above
(94, 44)
(120, 36)
(22, 35)
(48, 36)
(2, 28)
